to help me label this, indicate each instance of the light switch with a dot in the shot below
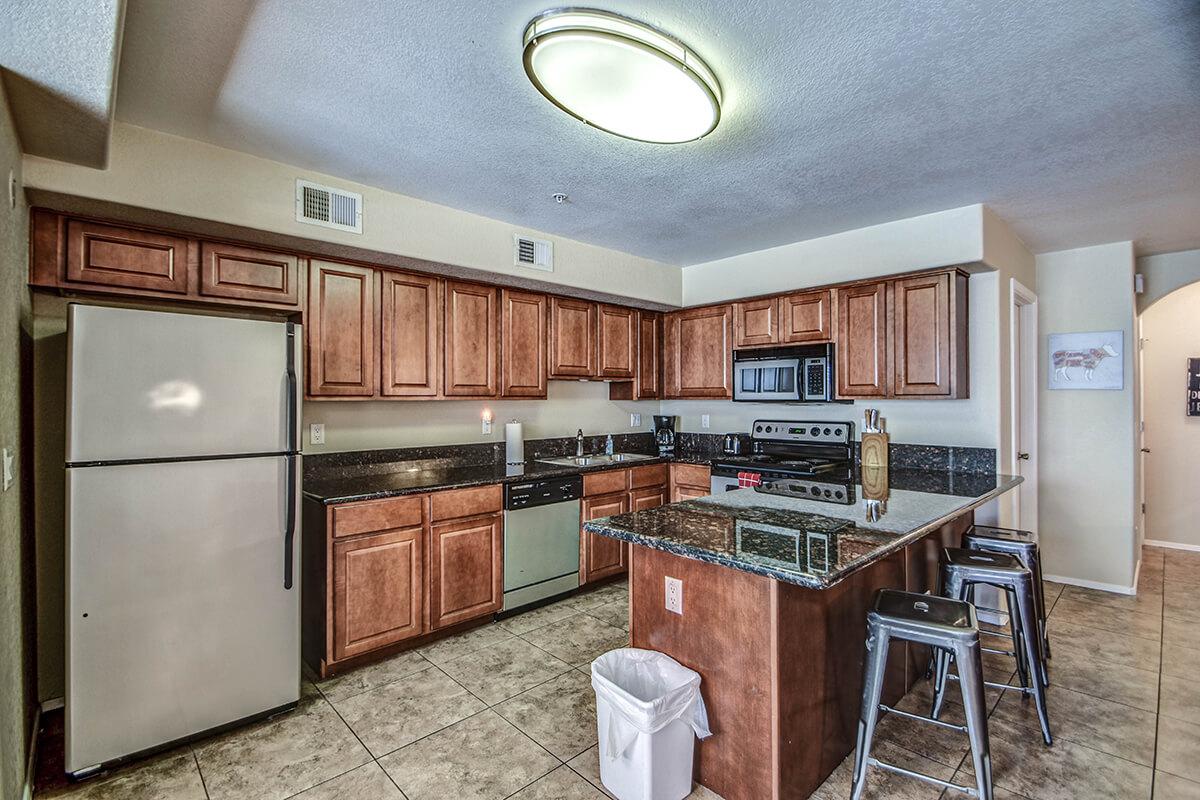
(635, 420)
(704, 421)
(316, 433)
(7, 458)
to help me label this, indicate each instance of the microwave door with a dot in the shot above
(769, 379)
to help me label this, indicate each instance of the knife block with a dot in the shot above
(874, 450)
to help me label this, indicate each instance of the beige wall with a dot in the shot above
(1086, 439)
(1171, 329)
(570, 405)
(1166, 272)
(168, 173)
(15, 655)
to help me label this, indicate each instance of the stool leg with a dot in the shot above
(873, 675)
(1033, 648)
(942, 659)
(1014, 625)
(1038, 586)
(970, 678)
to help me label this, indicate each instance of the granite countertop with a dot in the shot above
(392, 480)
(806, 542)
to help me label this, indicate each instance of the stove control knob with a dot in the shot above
(837, 431)
(768, 429)
(758, 428)
(838, 494)
(827, 431)
(828, 493)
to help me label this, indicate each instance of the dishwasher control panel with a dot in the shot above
(529, 494)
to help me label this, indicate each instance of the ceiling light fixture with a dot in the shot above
(621, 76)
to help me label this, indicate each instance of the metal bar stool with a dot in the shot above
(963, 569)
(1024, 546)
(945, 625)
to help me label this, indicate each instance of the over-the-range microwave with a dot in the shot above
(794, 374)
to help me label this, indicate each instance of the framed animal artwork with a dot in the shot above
(1086, 360)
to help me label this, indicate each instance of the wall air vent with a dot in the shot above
(533, 253)
(328, 207)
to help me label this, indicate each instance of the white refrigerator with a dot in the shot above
(183, 546)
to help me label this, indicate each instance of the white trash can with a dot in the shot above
(648, 713)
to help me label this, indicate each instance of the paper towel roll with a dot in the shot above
(514, 443)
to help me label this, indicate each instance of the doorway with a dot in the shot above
(1024, 403)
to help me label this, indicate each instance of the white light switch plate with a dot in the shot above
(674, 592)
(7, 458)
(635, 420)
(486, 427)
(316, 433)
(704, 421)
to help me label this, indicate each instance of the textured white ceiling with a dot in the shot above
(1078, 121)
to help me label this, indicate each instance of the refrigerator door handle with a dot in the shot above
(292, 444)
(289, 532)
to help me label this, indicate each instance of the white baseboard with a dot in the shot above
(1104, 587)
(31, 761)
(1195, 548)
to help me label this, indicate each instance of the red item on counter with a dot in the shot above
(749, 479)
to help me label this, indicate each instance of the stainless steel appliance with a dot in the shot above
(732, 445)
(182, 479)
(664, 435)
(813, 460)
(541, 539)
(795, 374)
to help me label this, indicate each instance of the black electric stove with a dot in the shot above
(812, 460)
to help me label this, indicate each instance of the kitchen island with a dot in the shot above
(775, 597)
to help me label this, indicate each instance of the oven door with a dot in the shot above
(769, 379)
(719, 484)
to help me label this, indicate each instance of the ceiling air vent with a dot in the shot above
(533, 253)
(328, 207)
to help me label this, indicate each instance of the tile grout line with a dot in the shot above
(1162, 610)
(200, 772)
(358, 738)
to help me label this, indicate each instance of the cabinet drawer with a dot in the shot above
(650, 475)
(461, 503)
(242, 273)
(134, 259)
(378, 515)
(690, 475)
(616, 480)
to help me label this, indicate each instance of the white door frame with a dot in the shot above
(1023, 416)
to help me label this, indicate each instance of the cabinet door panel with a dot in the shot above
(649, 377)
(243, 273)
(466, 570)
(650, 497)
(699, 352)
(862, 341)
(523, 335)
(378, 591)
(806, 317)
(617, 336)
(922, 335)
(111, 256)
(572, 338)
(757, 322)
(341, 330)
(600, 556)
(471, 346)
(410, 349)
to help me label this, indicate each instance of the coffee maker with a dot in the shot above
(664, 435)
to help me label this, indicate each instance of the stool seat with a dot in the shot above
(1002, 534)
(946, 616)
(983, 564)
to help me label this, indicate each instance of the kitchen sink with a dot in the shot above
(587, 461)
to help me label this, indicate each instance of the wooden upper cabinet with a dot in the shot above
(378, 590)
(697, 352)
(756, 322)
(649, 376)
(601, 556)
(806, 317)
(341, 330)
(124, 257)
(466, 569)
(572, 338)
(410, 335)
(244, 273)
(471, 340)
(617, 338)
(930, 336)
(862, 343)
(523, 335)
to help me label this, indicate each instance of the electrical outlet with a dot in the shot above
(674, 592)
(704, 421)
(486, 426)
(7, 458)
(316, 433)
(635, 420)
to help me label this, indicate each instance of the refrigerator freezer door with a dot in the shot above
(177, 616)
(156, 385)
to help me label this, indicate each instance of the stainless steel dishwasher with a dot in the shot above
(541, 539)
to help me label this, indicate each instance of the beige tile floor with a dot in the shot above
(507, 711)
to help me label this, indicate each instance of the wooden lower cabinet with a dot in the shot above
(601, 556)
(466, 569)
(648, 498)
(689, 481)
(378, 590)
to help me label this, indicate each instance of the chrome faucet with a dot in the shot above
(579, 444)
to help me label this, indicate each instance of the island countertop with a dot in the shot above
(806, 542)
